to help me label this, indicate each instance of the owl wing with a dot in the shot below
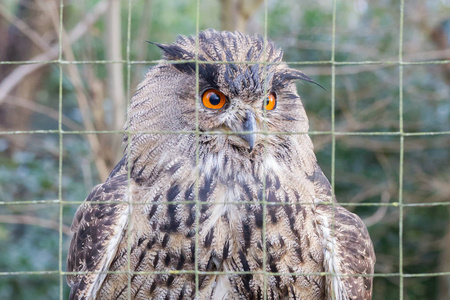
(348, 250)
(98, 228)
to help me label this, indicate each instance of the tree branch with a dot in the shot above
(115, 71)
(44, 110)
(16, 76)
(25, 29)
(30, 220)
(82, 99)
(116, 89)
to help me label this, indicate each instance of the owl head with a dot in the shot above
(232, 89)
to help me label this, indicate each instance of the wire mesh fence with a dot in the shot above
(64, 62)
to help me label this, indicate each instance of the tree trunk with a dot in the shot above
(235, 14)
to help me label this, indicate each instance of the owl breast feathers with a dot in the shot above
(219, 194)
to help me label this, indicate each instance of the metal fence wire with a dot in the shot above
(401, 134)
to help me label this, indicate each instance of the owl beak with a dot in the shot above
(249, 125)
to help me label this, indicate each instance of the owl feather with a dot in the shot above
(219, 194)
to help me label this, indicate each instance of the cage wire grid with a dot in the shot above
(401, 134)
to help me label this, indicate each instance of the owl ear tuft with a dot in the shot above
(293, 74)
(177, 53)
(174, 52)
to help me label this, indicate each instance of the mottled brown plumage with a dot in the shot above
(295, 245)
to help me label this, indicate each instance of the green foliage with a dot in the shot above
(367, 168)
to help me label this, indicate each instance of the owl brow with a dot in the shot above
(207, 72)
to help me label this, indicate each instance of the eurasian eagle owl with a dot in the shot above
(219, 194)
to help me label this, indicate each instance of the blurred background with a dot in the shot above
(92, 95)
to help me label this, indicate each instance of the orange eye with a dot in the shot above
(271, 101)
(213, 99)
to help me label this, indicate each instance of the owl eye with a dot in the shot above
(271, 101)
(213, 99)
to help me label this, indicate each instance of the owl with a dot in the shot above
(219, 194)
